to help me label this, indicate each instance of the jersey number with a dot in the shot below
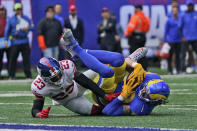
(39, 84)
(64, 64)
(63, 95)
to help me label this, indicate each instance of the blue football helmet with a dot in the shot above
(50, 70)
(155, 92)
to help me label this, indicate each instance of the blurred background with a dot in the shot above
(30, 29)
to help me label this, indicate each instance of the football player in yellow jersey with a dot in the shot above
(141, 91)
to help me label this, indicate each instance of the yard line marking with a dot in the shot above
(183, 93)
(180, 105)
(179, 89)
(47, 104)
(2, 118)
(182, 84)
(3, 92)
(15, 95)
(183, 109)
(16, 81)
(179, 76)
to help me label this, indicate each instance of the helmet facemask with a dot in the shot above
(56, 77)
(154, 99)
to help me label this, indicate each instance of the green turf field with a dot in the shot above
(179, 113)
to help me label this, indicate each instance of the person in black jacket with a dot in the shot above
(49, 32)
(107, 31)
(75, 24)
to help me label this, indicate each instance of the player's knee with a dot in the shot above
(119, 60)
(107, 73)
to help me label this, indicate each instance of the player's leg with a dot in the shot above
(69, 43)
(113, 58)
(82, 106)
(114, 108)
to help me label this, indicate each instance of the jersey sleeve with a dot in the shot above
(37, 87)
(68, 67)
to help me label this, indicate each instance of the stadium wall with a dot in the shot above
(90, 12)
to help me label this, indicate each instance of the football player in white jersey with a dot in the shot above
(60, 81)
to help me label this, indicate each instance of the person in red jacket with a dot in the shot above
(3, 45)
(136, 30)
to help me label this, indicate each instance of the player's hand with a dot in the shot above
(111, 97)
(129, 87)
(44, 113)
(138, 72)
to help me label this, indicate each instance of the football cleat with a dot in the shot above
(68, 41)
(138, 54)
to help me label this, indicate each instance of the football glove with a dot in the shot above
(138, 72)
(129, 87)
(44, 113)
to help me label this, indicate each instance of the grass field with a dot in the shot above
(179, 113)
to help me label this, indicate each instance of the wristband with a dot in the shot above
(133, 64)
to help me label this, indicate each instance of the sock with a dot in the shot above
(107, 57)
(93, 63)
(96, 110)
(114, 108)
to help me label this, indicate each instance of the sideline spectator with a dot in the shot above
(119, 34)
(188, 27)
(3, 46)
(58, 11)
(136, 30)
(49, 32)
(107, 31)
(175, 3)
(17, 30)
(74, 23)
(173, 37)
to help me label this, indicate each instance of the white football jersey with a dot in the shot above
(61, 94)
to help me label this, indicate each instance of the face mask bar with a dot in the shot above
(154, 102)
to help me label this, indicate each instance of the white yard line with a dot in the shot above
(182, 84)
(184, 93)
(188, 109)
(15, 95)
(180, 105)
(179, 89)
(179, 76)
(16, 81)
(47, 104)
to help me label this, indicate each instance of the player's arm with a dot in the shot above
(87, 83)
(37, 109)
(38, 104)
(135, 68)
